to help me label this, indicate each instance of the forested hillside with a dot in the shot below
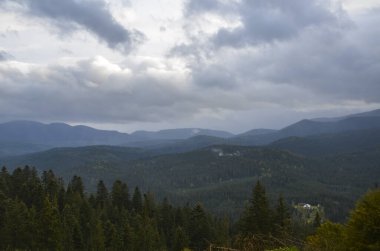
(121, 218)
(219, 176)
(67, 218)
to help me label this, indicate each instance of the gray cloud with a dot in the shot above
(285, 57)
(4, 55)
(298, 53)
(265, 20)
(95, 90)
(92, 15)
(196, 7)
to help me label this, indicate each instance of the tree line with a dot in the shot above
(38, 212)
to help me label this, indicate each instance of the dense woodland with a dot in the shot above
(41, 213)
(221, 183)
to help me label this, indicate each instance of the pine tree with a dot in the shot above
(4, 181)
(101, 195)
(257, 217)
(120, 195)
(149, 206)
(147, 235)
(199, 229)
(282, 217)
(51, 184)
(137, 201)
(166, 221)
(17, 223)
(76, 186)
(113, 240)
(98, 238)
(73, 238)
(49, 226)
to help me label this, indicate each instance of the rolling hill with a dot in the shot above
(309, 127)
(21, 137)
(328, 162)
(330, 144)
(220, 176)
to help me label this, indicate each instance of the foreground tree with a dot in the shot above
(329, 237)
(257, 217)
(363, 228)
(199, 229)
(360, 234)
(282, 218)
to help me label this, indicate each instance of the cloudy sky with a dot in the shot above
(153, 64)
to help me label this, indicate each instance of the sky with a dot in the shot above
(230, 65)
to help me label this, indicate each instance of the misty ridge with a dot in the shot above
(29, 136)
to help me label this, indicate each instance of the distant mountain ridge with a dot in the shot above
(330, 144)
(182, 133)
(58, 134)
(20, 137)
(374, 113)
(327, 162)
(306, 127)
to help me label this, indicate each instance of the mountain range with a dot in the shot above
(331, 162)
(21, 137)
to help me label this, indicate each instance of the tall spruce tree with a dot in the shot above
(49, 226)
(257, 216)
(199, 229)
(119, 195)
(282, 217)
(101, 195)
(137, 201)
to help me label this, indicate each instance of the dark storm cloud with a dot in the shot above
(92, 15)
(311, 52)
(271, 20)
(265, 20)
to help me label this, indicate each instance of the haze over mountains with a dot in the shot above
(334, 160)
(20, 137)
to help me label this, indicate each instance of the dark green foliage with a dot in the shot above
(219, 176)
(361, 233)
(101, 195)
(199, 228)
(363, 227)
(263, 228)
(137, 200)
(49, 226)
(257, 217)
(329, 237)
(76, 186)
(59, 218)
(222, 182)
(120, 195)
(68, 219)
(16, 225)
(331, 144)
(282, 218)
(180, 240)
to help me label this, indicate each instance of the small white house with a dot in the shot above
(307, 206)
